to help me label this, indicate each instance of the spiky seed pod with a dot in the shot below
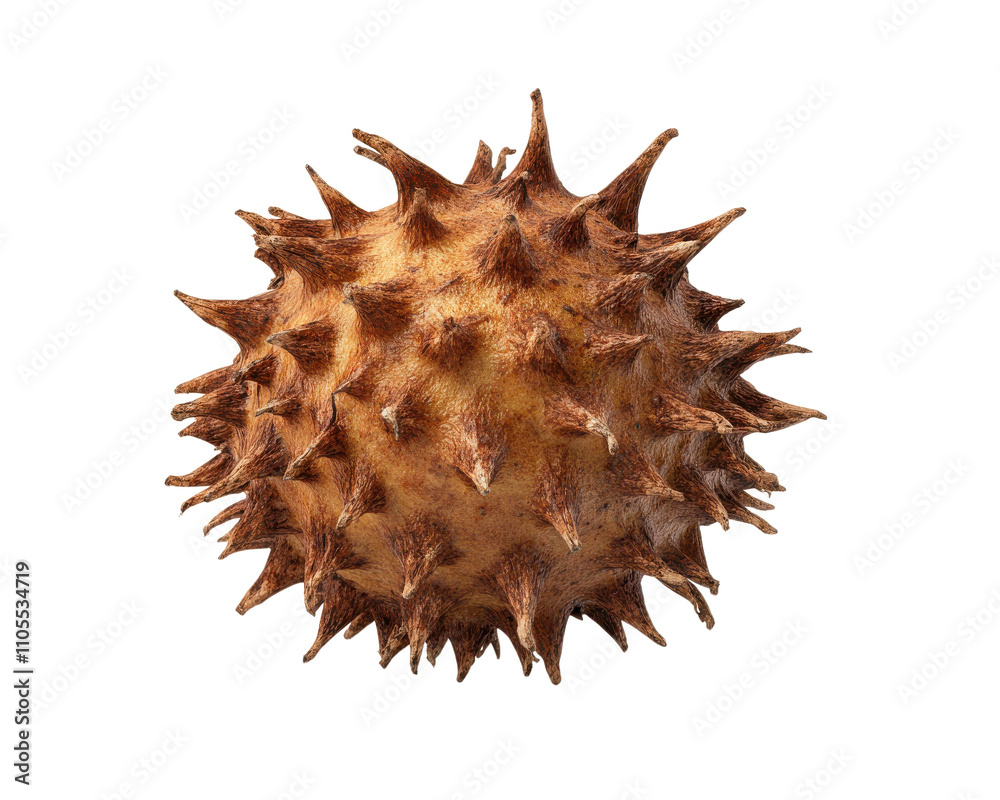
(488, 407)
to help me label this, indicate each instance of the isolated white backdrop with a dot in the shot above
(872, 219)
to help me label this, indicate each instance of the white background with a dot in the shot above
(893, 130)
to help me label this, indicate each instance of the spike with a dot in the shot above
(328, 552)
(623, 600)
(265, 522)
(261, 370)
(702, 233)
(207, 474)
(287, 406)
(448, 341)
(468, 641)
(705, 309)
(749, 501)
(612, 346)
(566, 416)
(213, 431)
(436, 643)
(501, 164)
(513, 192)
(419, 225)
(620, 297)
(274, 265)
(311, 345)
(283, 569)
(570, 231)
(421, 614)
(227, 404)
(550, 630)
(359, 623)
(383, 309)
(758, 347)
(320, 263)
(537, 157)
(237, 509)
(557, 502)
(506, 260)
(741, 514)
(634, 474)
(475, 444)
(408, 172)
(518, 580)
(737, 417)
(506, 623)
(420, 546)
(371, 155)
(620, 198)
(482, 166)
(266, 458)
(727, 453)
(404, 411)
(359, 381)
(341, 604)
(362, 493)
(392, 635)
(208, 382)
(611, 625)
(246, 321)
(280, 213)
(343, 213)
(779, 414)
(698, 493)
(666, 265)
(671, 414)
(542, 347)
(686, 556)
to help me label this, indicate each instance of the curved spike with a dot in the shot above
(420, 615)
(779, 414)
(469, 641)
(537, 157)
(506, 259)
(436, 643)
(542, 347)
(371, 155)
(475, 445)
(670, 414)
(287, 406)
(686, 556)
(320, 263)
(261, 370)
(749, 501)
(327, 552)
(738, 417)
(263, 524)
(727, 454)
(358, 624)
(311, 345)
(344, 215)
(207, 474)
(698, 493)
(227, 404)
(208, 382)
(447, 342)
(624, 600)
(237, 509)
(613, 346)
(758, 347)
(362, 493)
(620, 297)
(246, 321)
(513, 192)
(280, 213)
(610, 624)
(267, 458)
(550, 630)
(383, 309)
(501, 164)
(702, 234)
(557, 502)
(518, 580)
(419, 225)
(342, 603)
(570, 231)
(408, 172)
(283, 569)
(566, 416)
(742, 515)
(666, 265)
(634, 474)
(482, 166)
(216, 432)
(392, 635)
(359, 381)
(274, 265)
(706, 309)
(620, 198)
(420, 546)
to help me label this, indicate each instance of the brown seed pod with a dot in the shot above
(490, 406)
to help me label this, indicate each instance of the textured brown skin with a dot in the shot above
(489, 406)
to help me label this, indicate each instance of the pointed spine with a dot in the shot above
(207, 474)
(537, 156)
(449, 341)
(476, 446)
(342, 603)
(227, 404)
(408, 172)
(383, 309)
(633, 473)
(482, 166)
(566, 416)
(620, 198)
(363, 494)
(612, 346)
(569, 232)
(208, 382)
(311, 345)
(283, 569)
(344, 214)
(557, 501)
(420, 546)
(506, 259)
(245, 321)
(619, 298)
(320, 263)
(419, 226)
(518, 579)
